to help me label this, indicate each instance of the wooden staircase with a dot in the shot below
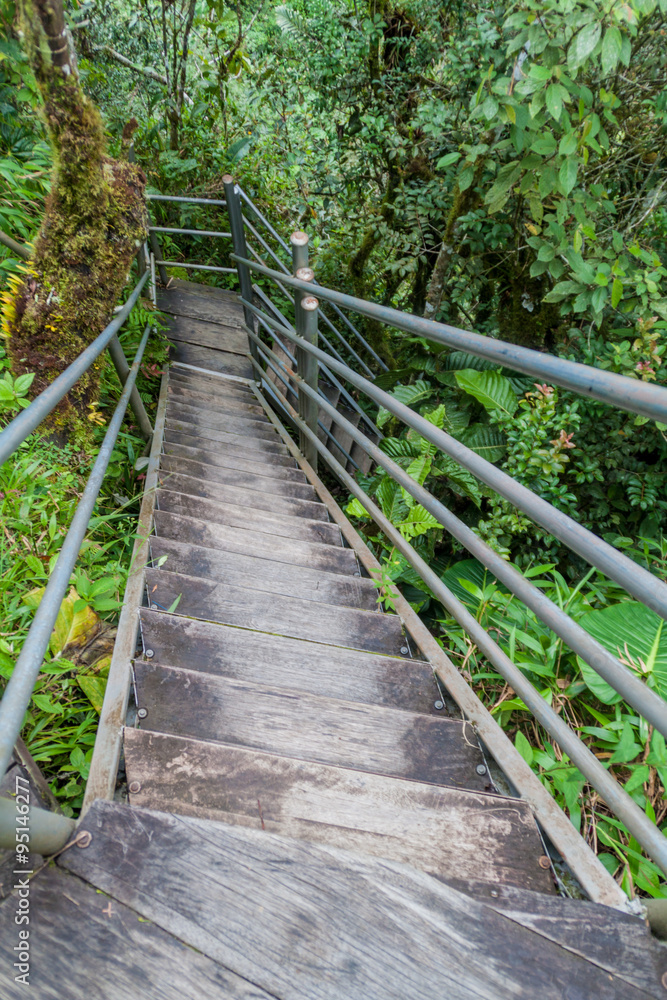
(303, 809)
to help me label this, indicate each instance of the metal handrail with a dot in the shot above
(186, 200)
(187, 232)
(619, 676)
(19, 689)
(625, 393)
(628, 574)
(644, 831)
(362, 340)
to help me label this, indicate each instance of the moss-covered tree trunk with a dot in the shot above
(94, 222)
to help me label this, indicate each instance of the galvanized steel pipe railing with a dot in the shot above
(628, 574)
(645, 832)
(351, 327)
(18, 692)
(647, 702)
(624, 393)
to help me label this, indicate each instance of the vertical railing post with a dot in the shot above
(305, 314)
(237, 229)
(156, 250)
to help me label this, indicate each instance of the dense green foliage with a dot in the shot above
(498, 167)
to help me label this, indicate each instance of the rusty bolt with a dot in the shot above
(142, 713)
(544, 862)
(135, 786)
(84, 838)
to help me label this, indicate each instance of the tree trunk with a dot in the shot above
(94, 222)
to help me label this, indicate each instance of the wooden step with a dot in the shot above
(233, 446)
(225, 460)
(285, 576)
(216, 401)
(252, 519)
(203, 306)
(238, 495)
(217, 361)
(208, 383)
(230, 476)
(218, 540)
(242, 423)
(249, 608)
(307, 922)
(309, 727)
(218, 335)
(238, 436)
(459, 835)
(263, 658)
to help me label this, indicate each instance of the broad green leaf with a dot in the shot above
(626, 748)
(355, 509)
(460, 478)
(524, 747)
(616, 292)
(487, 441)
(44, 704)
(391, 500)
(73, 628)
(554, 100)
(583, 44)
(408, 394)
(636, 635)
(491, 389)
(612, 46)
(567, 174)
(417, 522)
(93, 686)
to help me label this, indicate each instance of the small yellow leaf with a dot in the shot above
(93, 687)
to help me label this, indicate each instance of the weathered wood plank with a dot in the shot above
(307, 922)
(604, 936)
(223, 459)
(206, 307)
(241, 423)
(237, 477)
(238, 437)
(83, 944)
(252, 519)
(217, 361)
(286, 576)
(208, 448)
(309, 727)
(219, 336)
(216, 401)
(264, 658)
(256, 609)
(219, 539)
(236, 494)
(208, 383)
(439, 830)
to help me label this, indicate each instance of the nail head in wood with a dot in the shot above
(544, 862)
(84, 838)
(135, 786)
(149, 654)
(439, 705)
(481, 769)
(404, 650)
(142, 713)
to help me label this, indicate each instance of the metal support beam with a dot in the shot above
(156, 250)
(305, 321)
(136, 404)
(235, 214)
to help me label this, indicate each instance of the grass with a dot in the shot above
(39, 490)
